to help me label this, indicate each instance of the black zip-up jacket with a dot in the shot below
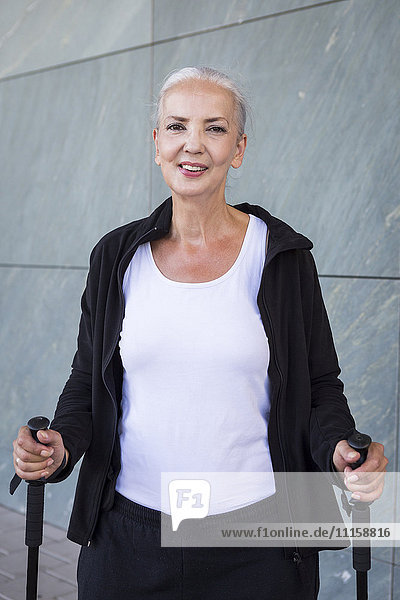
(309, 413)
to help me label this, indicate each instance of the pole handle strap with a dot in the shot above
(14, 483)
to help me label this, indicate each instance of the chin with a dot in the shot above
(189, 190)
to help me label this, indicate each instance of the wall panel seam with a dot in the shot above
(377, 277)
(174, 38)
(84, 268)
(33, 266)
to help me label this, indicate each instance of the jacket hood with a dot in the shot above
(281, 236)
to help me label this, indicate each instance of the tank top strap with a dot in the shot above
(254, 252)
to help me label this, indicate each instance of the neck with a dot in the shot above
(196, 221)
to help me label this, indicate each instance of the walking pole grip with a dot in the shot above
(359, 442)
(36, 424)
(34, 514)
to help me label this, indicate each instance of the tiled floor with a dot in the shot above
(57, 562)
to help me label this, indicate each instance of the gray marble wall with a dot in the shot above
(77, 83)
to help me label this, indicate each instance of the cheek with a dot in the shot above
(167, 151)
(168, 147)
(224, 152)
(223, 156)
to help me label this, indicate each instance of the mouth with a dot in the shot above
(192, 169)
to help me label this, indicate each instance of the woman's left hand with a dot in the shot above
(366, 482)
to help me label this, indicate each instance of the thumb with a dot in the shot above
(53, 439)
(347, 453)
(50, 438)
(344, 455)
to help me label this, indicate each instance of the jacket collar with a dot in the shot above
(281, 236)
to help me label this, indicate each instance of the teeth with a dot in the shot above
(191, 168)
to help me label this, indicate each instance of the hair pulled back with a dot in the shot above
(208, 75)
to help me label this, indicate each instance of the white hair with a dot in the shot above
(211, 76)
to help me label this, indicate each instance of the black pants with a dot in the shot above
(125, 561)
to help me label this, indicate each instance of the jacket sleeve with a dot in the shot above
(330, 420)
(73, 414)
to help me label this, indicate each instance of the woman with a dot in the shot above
(204, 346)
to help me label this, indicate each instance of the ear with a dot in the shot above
(157, 155)
(239, 153)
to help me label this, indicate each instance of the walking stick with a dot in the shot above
(34, 515)
(360, 517)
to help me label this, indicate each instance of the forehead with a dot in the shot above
(198, 99)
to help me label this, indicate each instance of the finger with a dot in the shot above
(36, 456)
(27, 443)
(368, 497)
(28, 457)
(376, 460)
(375, 464)
(364, 482)
(31, 467)
(31, 471)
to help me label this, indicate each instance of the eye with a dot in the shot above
(217, 129)
(175, 127)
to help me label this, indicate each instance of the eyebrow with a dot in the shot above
(184, 119)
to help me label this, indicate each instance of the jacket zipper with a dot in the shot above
(296, 554)
(106, 363)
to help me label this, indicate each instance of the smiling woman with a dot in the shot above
(204, 347)
(197, 138)
(197, 141)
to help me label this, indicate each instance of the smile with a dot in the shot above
(192, 170)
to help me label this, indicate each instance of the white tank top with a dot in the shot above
(195, 386)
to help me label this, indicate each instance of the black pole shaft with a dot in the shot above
(32, 573)
(362, 585)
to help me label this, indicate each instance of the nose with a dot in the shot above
(194, 141)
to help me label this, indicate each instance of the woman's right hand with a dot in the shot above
(33, 460)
